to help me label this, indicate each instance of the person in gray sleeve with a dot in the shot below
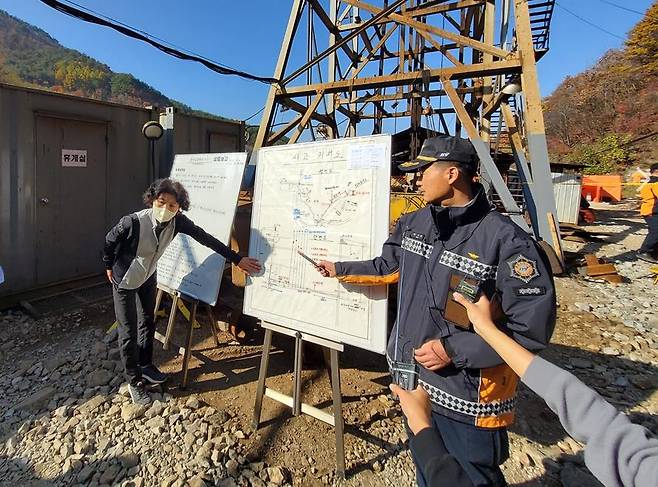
(617, 452)
(131, 252)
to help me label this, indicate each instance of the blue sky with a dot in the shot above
(247, 35)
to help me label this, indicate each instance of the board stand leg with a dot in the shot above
(262, 374)
(339, 424)
(158, 301)
(188, 344)
(170, 323)
(297, 394)
(295, 402)
(214, 331)
(186, 351)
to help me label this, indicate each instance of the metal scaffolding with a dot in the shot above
(351, 67)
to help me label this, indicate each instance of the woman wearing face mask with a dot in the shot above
(131, 252)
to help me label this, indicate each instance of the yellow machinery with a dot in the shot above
(403, 203)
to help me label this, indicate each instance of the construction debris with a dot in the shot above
(600, 269)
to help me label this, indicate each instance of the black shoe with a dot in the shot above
(151, 374)
(646, 257)
(138, 394)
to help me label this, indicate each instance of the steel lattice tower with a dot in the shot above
(466, 67)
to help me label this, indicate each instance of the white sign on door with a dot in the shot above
(74, 158)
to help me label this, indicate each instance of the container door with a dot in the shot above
(218, 142)
(71, 165)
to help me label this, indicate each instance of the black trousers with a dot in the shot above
(479, 451)
(650, 244)
(134, 309)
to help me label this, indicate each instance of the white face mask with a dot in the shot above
(162, 214)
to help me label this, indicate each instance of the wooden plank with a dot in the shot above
(591, 260)
(601, 269)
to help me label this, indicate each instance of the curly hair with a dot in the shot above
(169, 186)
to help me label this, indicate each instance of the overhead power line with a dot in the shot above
(252, 116)
(129, 31)
(621, 7)
(602, 29)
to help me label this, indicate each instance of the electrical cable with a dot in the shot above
(143, 36)
(252, 116)
(621, 7)
(586, 21)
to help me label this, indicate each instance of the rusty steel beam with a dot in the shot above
(422, 11)
(343, 41)
(512, 65)
(421, 26)
(307, 116)
(299, 108)
(409, 95)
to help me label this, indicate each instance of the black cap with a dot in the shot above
(653, 167)
(444, 148)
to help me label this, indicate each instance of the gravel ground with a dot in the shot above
(65, 419)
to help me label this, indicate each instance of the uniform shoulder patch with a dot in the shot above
(523, 268)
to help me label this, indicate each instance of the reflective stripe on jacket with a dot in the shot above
(426, 249)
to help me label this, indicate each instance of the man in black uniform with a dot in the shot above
(458, 242)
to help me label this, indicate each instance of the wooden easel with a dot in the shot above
(295, 402)
(186, 351)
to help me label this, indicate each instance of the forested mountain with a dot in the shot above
(30, 57)
(596, 116)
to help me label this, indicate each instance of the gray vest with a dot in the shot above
(149, 250)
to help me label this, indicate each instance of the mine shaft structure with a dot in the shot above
(417, 68)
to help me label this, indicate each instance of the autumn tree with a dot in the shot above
(642, 42)
(616, 99)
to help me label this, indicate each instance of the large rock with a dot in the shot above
(156, 424)
(581, 363)
(92, 404)
(232, 467)
(130, 411)
(99, 377)
(192, 403)
(129, 460)
(36, 400)
(277, 475)
(155, 410)
(189, 440)
(110, 475)
(196, 482)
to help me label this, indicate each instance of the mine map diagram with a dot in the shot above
(323, 209)
(313, 199)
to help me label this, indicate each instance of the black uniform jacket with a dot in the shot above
(429, 247)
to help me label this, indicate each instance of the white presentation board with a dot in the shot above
(213, 183)
(330, 200)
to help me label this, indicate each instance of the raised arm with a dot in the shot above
(617, 451)
(383, 269)
(187, 226)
